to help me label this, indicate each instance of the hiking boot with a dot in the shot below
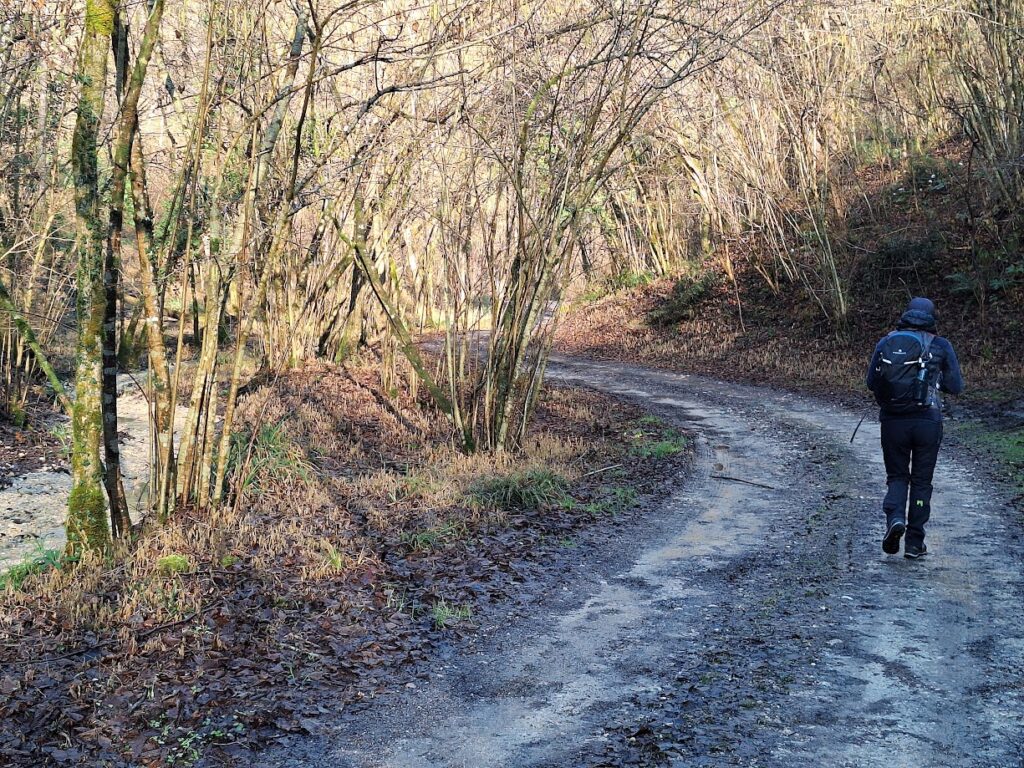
(891, 542)
(913, 552)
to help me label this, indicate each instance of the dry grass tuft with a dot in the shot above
(358, 535)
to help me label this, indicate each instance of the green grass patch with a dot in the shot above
(611, 500)
(1010, 445)
(1006, 445)
(257, 460)
(334, 558)
(1009, 449)
(624, 496)
(38, 562)
(446, 614)
(620, 282)
(569, 504)
(416, 485)
(531, 489)
(661, 449)
(436, 537)
(599, 508)
(172, 564)
(653, 440)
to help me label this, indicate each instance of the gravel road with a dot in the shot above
(751, 620)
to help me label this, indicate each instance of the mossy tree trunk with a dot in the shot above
(119, 520)
(87, 522)
(122, 151)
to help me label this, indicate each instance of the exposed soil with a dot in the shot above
(748, 619)
(322, 590)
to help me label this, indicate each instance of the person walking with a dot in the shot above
(908, 370)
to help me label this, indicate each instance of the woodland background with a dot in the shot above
(248, 204)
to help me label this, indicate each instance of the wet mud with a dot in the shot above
(750, 619)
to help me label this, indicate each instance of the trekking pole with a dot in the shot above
(857, 427)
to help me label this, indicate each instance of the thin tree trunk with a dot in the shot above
(122, 152)
(245, 324)
(87, 524)
(204, 394)
(281, 227)
(162, 411)
(119, 520)
(28, 337)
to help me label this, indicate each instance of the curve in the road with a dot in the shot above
(757, 625)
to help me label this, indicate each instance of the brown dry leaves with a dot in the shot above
(319, 588)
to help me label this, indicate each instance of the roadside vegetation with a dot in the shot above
(999, 436)
(335, 242)
(361, 538)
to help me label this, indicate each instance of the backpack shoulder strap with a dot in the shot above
(924, 338)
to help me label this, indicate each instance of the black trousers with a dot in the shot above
(910, 448)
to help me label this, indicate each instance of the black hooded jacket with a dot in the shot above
(920, 318)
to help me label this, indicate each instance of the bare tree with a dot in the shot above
(88, 526)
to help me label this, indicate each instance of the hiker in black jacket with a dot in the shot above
(908, 370)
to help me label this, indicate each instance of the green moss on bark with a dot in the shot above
(87, 526)
(99, 17)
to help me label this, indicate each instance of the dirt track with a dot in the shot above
(739, 625)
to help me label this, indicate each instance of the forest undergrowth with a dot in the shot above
(909, 236)
(360, 541)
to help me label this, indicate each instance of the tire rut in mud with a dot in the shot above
(758, 623)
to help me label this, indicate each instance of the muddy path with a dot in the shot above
(750, 623)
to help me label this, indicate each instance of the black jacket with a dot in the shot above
(950, 379)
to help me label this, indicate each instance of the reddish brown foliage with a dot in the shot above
(904, 241)
(266, 631)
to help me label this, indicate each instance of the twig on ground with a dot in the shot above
(69, 655)
(141, 636)
(169, 625)
(855, 429)
(598, 471)
(741, 480)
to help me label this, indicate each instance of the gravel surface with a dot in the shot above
(751, 620)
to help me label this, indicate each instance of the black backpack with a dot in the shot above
(905, 372)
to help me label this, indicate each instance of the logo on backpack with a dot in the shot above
(905, 372)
